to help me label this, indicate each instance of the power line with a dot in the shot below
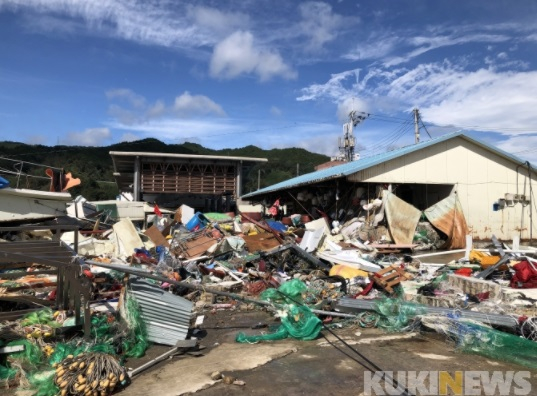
(390, 139)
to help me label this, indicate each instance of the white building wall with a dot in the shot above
(479, 176)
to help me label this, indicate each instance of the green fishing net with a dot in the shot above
(396, 314)
(61, 351)
(106, 337)
(297, 321)
(472, 337)
(43, 383)
(101, 329)
(136, 343)
(288, 293)
(43, 316)
(439, 279)
(7, 373)
(30, 357)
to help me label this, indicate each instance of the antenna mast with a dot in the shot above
(348, 142)
(416, 126)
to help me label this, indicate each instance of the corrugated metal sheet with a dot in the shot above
(166, 315)
(365, 163)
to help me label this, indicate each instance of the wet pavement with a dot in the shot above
(324, 366)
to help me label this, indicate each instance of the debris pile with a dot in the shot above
(113, 288)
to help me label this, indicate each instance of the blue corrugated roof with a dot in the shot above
(349, 168)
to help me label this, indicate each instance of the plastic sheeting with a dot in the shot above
(448, 217)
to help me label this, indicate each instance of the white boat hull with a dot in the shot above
(23, 204)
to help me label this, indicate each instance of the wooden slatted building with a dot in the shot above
(196, 180)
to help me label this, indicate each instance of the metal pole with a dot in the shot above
(136, 181)
(416, 126)
(238, 180)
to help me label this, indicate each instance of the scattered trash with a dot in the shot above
(77, 301)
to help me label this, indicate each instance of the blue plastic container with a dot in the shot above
(198, 222)
(3, 182)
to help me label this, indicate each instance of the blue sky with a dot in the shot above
(269, 73)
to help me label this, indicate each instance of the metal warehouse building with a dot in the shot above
(494, 188)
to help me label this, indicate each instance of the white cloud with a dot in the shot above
(216, 20)
(127, 115)
(89, 137)
(135, 109)
(135, 100)
(275, 111)
(137, 20)
(173, 129)
(36, 139)
(230, 133)
(335, 89)
(424, 44)
(482, 100)
(319, 138)
(129, 137)
(188, 105)
(237, 55)
(157, 110)
(523, 146)
(350, 104)
(319, 23)
(397, 47)
(446, 94)
(376, 47)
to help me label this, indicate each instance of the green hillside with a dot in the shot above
(93, 165)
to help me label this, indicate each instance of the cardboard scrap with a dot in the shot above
(156, 236)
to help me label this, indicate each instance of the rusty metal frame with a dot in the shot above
(72, 288)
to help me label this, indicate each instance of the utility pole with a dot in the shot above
(416, 126)
(298, 169)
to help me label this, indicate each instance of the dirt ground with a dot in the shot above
(324, 366)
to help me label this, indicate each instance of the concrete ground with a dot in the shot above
(324, 366)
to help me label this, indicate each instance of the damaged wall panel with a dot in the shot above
(448, 217)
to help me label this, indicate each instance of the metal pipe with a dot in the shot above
(152, 362)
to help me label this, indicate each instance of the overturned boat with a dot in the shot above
(25, 204)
